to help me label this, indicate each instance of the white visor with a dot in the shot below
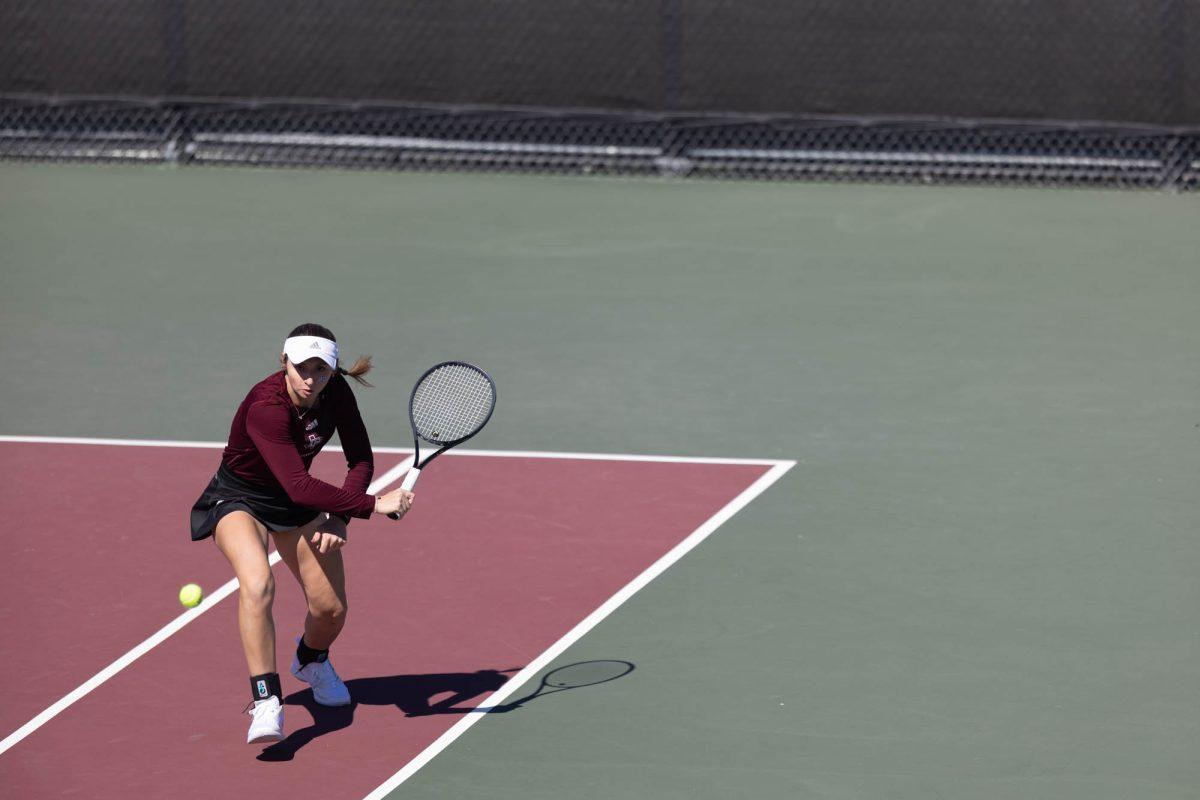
(299, 349)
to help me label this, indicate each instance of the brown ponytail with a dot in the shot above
(362, 365)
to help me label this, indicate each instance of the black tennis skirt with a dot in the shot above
(227, 492)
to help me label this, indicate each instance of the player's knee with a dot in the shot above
(331, 611)
(258, 591)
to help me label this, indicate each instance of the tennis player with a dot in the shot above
(263, 490)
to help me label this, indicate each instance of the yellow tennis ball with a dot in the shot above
(191, 595)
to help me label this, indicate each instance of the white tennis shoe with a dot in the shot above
(266, 721)
(327, 687)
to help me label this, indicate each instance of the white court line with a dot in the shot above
(162, 635)
(455, 452)
(118, 442)
(590, 621)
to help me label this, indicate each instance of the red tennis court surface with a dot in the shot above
(500, 558)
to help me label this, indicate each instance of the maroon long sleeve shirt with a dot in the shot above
(271, 444)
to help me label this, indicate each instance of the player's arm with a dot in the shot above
(356, 445)
(360, 460)
(268, 427)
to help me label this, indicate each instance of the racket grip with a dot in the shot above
(410, 480)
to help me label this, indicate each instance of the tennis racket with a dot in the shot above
(450, 403)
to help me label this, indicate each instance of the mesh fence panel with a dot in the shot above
(1071, 92)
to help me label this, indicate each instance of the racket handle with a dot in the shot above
(410, 480)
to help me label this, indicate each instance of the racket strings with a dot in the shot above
(451, 403)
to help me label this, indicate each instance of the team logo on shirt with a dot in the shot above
(312, 424)
(313, 439)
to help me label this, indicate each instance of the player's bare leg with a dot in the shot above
(321, 575)
(313, 554)
(243, 541)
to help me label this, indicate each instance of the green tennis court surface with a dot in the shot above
(979, 581)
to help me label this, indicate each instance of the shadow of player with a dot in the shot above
(412, 694)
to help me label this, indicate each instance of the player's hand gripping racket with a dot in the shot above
(450, 403)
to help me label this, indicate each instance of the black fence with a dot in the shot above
(1055, 92)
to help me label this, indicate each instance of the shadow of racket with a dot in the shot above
(570, 676)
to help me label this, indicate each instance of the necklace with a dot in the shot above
(301, 412)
